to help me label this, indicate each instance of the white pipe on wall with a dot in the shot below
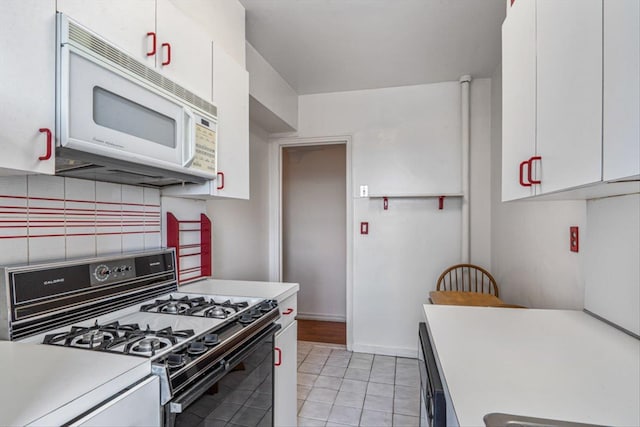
(465, 83)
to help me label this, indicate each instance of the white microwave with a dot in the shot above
(121, 121)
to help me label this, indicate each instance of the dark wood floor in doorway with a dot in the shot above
(317, 331)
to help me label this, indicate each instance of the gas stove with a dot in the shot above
(130, 305)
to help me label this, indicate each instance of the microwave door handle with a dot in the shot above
(189, 146)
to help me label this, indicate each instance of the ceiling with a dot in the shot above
(336, 45)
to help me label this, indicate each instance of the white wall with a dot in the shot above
(405, 140)
(272, 92)
(530, 257)
(612, 267)
(314, 228)
(240, 227)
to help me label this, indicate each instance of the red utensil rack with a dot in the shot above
(178, 231)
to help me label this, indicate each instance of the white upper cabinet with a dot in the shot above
(184, 49)
(569, 93)
(518, 98)
(27, 82)
(231, 96)
(584, 114)
(621, 126)
(124, 23)
(153, 32)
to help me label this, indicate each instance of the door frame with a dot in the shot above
(276, 147)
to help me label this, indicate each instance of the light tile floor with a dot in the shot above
(339, 388)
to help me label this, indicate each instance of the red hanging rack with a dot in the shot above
(175, 230)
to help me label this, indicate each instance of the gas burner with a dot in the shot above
(148, 344)
(92, 337)
(96, 337)
(218, 312)
(174, 308)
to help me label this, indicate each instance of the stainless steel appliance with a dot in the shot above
(208, 352)
(433, 406)
(121, 121)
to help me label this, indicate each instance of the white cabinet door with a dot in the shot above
(621, 115)
(124, 23)
(137, 406)
(27, 86)
(285, 377)
(184, 50)
(569, 93)
(518, 98)
(231, 96)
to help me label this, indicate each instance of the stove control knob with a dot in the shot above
(101, 273)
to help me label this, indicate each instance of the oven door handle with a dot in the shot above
(177, 405)
(252, 345)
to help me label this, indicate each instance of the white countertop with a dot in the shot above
(38, 379)
(556, 364)
(272, 290)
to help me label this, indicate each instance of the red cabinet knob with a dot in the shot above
(167, 61)
(153, 43)
(47, 155)
(278, 362)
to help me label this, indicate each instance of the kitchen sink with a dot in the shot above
(510, 420)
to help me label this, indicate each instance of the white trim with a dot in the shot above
(387, 351)
(321, 317)
(275, 211)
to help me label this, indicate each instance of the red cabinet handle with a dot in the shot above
(221, 181)
(531, 160)
(168, 60)
(47, 156)
(279, 361)
(153, 43)
(524, 184)
(287, 311)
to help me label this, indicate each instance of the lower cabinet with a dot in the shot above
(285, 376)
(136, 406)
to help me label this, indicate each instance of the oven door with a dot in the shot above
(433, 409)
(238, 392)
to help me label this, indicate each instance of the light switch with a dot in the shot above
(364, 228)
(364, 191)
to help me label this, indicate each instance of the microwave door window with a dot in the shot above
(123, 115)
(109, 113)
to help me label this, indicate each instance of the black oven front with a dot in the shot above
(433, 408)
(238, 391)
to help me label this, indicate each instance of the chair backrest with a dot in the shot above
(467, 278)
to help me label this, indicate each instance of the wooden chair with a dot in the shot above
(467, 278)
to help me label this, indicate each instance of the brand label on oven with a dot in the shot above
(54, 281)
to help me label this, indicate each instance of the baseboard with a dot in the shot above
(386, 351)
(321, 317)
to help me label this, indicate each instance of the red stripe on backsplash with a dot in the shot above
(18, 220)
(4, 196)
(79, 234)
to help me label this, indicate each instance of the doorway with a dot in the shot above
(314, 237)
